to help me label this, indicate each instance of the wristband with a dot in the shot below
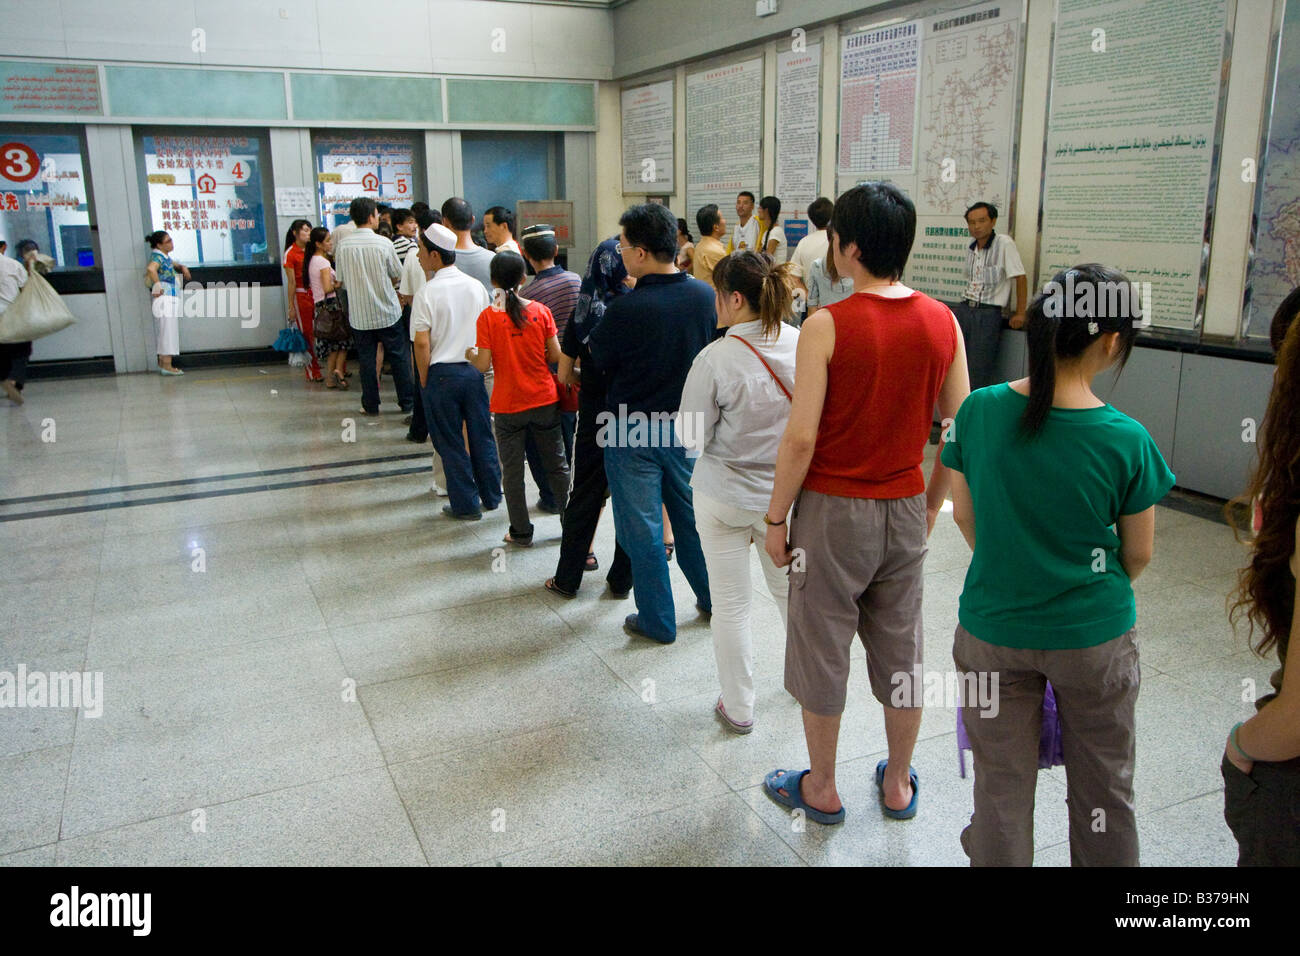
(770, 523)
(1233, 738)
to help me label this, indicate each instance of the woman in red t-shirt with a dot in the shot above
(516, 337)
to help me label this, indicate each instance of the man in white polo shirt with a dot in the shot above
(444, 317)
(991, 263)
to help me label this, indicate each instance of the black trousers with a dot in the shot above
(1263, 812)
(587, 497)
(13, 361)
(419, 428)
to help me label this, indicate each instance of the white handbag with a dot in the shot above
(38, 311)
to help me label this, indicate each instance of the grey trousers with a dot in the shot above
(1096, 694)
(981, 329)
(512, 431)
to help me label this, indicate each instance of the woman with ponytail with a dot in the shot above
(517, 338)
(1261, 762)
(1061, 488)
(319, 277)
(735, 405)
(300, 303)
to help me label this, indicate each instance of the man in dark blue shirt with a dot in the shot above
(645, 345)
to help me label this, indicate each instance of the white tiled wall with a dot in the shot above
(403, 36)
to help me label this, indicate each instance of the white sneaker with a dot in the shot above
(438, 490)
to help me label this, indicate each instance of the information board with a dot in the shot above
(1130, 142)
(724, 134)
(798, 127)
(648, 139)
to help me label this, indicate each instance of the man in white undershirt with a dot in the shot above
(499, 229)
(745, 235)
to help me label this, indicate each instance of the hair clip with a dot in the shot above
(1093, 328)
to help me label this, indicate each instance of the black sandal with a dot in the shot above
(554, 588)
(592, 564)
(668, 550)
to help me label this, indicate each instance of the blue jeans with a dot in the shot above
(642, 481)
(454, 396)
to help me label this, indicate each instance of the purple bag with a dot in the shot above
(1051, 750)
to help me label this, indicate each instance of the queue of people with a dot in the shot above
(703, 400)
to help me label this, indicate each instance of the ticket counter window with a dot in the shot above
(386, 167)
(44, 196)
(208, 192)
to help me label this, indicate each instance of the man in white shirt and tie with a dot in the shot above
(444, 316)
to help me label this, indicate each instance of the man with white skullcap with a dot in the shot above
(444, 316)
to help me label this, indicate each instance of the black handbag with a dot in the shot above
(330, 321)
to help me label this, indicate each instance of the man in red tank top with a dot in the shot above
(868, 373)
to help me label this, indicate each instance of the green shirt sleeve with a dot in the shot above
(1151, 478)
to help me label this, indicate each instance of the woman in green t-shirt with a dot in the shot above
(1062, 490)
(1261, 762)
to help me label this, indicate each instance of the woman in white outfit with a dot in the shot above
(734, 408)
(160, 277)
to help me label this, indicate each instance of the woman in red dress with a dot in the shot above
(300, 303)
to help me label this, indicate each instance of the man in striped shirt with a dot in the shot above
(557, 289)
(368, 268)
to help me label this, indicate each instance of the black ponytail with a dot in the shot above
(293, 231)
(515, 309)
(507, 271)
(1040, 335)
(1073, 310)
(155, 239)
(318, 235)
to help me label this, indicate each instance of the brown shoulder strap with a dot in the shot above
(776, 378)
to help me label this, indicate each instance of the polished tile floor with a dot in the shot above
(304, 663)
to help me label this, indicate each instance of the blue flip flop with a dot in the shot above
(908, 811)
(772, 787)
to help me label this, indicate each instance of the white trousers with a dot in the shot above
(166, 309)
(726, 533)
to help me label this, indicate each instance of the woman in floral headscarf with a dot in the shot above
(606, 279)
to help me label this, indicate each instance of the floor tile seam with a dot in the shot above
(315, 598)
(374, 736)
(67, 780)
(779, 834)
(406, 810)
(1178, 803)
(180, 655)
(281, 698)
(1201, 693)
(29, 849)
(212, 804)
